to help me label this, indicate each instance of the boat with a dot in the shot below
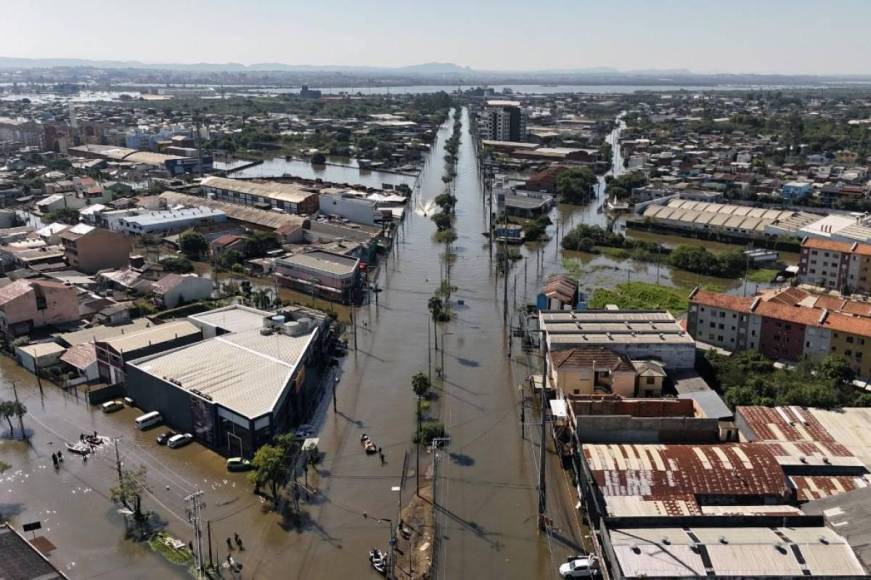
(79, 448)
(368, 445)
(614, 205)
(378, 560)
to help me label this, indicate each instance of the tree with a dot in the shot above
(64, 215)
(319, 159)
(267, 463)
(129, 489)
(193, 244)
(576, 184)
(258, 243)
(835, 368)
(421, 385)
(11, 409)
(442, 220)
(177, 265)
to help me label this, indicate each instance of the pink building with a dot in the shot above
(29, 304)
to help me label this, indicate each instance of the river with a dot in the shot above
(337, 171)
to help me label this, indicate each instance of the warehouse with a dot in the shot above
(234, 391)
(170, 220)
(639, 334)
(288, 197)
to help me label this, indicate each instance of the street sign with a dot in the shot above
(32, 526)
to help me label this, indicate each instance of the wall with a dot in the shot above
(99, 250)
(189, 290)
(154, 394)
(782, 340)
(357, 210)
(626, 429)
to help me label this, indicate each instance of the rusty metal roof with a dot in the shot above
(667, 480)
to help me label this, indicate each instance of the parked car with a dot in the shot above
(304, 431)
(238, 464)
(112, 406)
(165, 436)
(579, 567)
(179, 440)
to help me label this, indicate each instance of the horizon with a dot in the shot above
(741, 37)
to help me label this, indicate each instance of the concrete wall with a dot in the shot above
(626, 429)
(154, 394)
(357, 210)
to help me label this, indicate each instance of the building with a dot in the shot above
(170, 164)
(233, 318)
(249, 216)
(21, 560)
(167, 221)
(23, 132)
(795, 190)
(324, 274)
(351, 207)
(502, 121)
(842, 266)
(589, 370)
(723, 220)
(800, 549)
(821, 452)
(638, 334)
(235, 391)
(26, 305)
(115, 351)
(176, 289)
(60, 201)
(789, 324)
(89, 249)
(288, 197)
(523, 204)
(39, 355)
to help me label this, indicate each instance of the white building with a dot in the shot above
(350, 206)
(171, 220)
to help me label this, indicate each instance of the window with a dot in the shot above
(650, 380)
(850, 339)
(720, 338)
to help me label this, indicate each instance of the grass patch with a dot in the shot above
(762, 275)
(181, 557)
(641, 295)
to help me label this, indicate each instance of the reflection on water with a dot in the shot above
(334, 173)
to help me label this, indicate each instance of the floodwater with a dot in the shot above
(346, 172)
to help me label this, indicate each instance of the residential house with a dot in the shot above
(836, 265)
(29, 304)
(89, 249)
(176, 289)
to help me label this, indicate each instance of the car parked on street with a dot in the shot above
(179, 440)
(580, 567)
(238, 464)
(165, 436)
(112, 406)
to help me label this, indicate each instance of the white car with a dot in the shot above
(579, 567)
(112, 406)
(179, 440)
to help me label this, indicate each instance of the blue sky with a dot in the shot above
(785, 36)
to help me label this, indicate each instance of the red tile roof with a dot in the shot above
(723, 301)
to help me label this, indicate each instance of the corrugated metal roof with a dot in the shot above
(154, 335)
(245, 372)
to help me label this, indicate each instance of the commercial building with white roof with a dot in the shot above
(235, 390)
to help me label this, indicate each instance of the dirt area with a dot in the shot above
(418, 516)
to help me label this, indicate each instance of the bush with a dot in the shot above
(177, 265)
(698, 260)
(429, 430)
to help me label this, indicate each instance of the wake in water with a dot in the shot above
(426, 207)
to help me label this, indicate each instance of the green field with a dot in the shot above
(641, 295)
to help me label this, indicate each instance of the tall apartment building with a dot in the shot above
(836, 265)
(502, 121)
(788, 324)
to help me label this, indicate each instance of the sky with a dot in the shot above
(729, 36)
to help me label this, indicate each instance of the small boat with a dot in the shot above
(79, 448)
(368, 445)
(378, 560)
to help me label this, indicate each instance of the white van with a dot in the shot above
(148, 420)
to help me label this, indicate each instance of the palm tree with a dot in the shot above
(436, 309)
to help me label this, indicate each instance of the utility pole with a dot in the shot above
(17, 404)
(417, 449)
(428, 350)
(542, 490)
(505, 282)
(354, 324)
(194, 512)
(118, 463)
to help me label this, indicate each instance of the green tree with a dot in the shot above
(576, 184)
(442, 221)
(64, 215)
(11, 409)
(421, 386)
(835, 368)
(129, 489)
(268, 464)
(177, 265)
(258, 243)
(193, 244)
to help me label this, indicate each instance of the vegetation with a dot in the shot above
(64, 215)
(177, 264)
(429, 430)
(421, 386)
(621, 187)
(11, 409)
(535, 230)
(641, 295)
(762, 275)
(159, 542)
(750, 378)
(129, 489)
(576, 185)
(443, 221)
(269, 463)
(698, 260)
(259, 243)
(193, 244)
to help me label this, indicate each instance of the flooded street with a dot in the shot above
(486, 490)
(337, 171)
